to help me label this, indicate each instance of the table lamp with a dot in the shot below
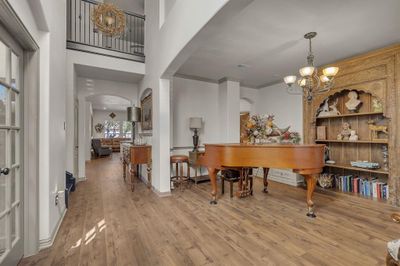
(133, 115)
(195, 123)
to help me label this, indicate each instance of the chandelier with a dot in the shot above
(109, 19)
(309, 81)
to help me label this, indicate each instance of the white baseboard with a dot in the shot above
(80, 179)
(48, 242)
(161, 194)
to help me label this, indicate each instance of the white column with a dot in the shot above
(229, 111)
(82, 137)
(161, 137)
(88, 130)
(70, 124)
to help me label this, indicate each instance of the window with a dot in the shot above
(117, 129)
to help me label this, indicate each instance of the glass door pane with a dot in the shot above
(10, 185)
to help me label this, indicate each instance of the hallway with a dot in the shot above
(107, 224)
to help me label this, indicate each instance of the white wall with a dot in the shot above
(192, 98)
(135, 6)
(51, 41)
(126, 90)
(99, 116)
(288, 109)
(249, 97)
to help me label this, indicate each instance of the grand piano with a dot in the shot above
(307, 160)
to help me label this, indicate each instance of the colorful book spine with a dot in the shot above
(367, 187)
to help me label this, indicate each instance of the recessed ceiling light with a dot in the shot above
(243, 66)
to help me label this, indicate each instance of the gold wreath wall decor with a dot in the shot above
(109, 19)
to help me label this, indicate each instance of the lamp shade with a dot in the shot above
(195, 122)
(133, 114)
(289, 80)
(306, 71)
(330, 71)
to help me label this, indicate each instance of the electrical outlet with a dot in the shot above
(56, 198)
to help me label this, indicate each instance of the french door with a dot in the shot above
(11, 183)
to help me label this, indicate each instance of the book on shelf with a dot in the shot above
(367, 187)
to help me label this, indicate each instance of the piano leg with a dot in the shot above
(266, 170)
(212, 172)
(311, 183)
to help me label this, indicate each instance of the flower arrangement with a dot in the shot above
(256, 127)
(290, 137)
(262, 129)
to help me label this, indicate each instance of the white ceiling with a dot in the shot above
(267, 36)
(107, 74)
(108, 102)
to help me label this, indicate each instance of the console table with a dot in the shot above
(133, 156)
(193, 162)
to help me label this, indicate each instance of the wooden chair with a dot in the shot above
(180, 179)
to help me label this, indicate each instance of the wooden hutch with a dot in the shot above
(375, 75)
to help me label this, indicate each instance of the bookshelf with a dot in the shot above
(375, 76)
(364, 149)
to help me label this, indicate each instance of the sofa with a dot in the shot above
(113, 143)
(99, 149)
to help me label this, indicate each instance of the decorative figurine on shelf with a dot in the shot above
(328, 110)
(334, 110)
(326, 153)
(365, 164)
(339, 137)
(375, 129)
(353, 135)
(385, 154)
(353, 103)
(324, 109)
(346, 132)
(377, 106)
(325, 180)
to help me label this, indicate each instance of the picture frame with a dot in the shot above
(147, 112)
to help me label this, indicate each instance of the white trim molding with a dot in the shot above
(48, 242)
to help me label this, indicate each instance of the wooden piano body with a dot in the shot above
(306, 160)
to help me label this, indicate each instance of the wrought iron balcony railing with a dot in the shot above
(83, 35)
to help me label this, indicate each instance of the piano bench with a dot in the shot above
(231, 181)
(233, 176)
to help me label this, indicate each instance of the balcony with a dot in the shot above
(82, 34)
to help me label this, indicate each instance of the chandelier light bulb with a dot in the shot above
(302, 82)
(306, 71)
(290, 80)
(330, 71)
(324, 78)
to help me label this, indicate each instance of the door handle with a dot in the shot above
(4, 171)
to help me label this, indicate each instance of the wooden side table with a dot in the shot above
(133, 156)
(193, 158)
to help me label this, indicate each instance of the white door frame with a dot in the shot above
(30, 107)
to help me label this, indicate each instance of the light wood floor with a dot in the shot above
(107, 224)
